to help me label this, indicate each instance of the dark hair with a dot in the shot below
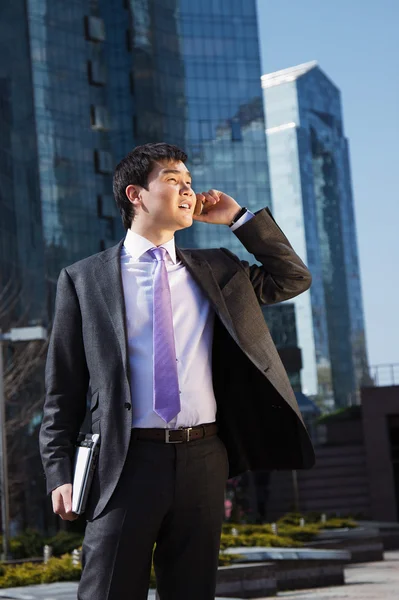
(134, 170)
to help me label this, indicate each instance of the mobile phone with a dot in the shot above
(198, 207)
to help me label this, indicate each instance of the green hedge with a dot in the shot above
(57, 569)
(64, 542)
(31, 543)
(337, 523)
(290, 534)
(258, 539)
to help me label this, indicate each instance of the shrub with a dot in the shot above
(64, 542)
(60, 569)
(247, 529)
(300, 534)
(30, 543)
(227, 559)
(337, 523)
(27, 544)
(291, 518)
(57, 569)
(257, 539)
(25, 574)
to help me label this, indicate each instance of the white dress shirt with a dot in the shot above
(193, 318)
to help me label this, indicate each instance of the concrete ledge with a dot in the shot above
(388, 532)
(302, 574)
(262, 553)
(364, 544)
(247, 581)
(296, 568)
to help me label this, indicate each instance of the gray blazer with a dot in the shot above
(258, 416)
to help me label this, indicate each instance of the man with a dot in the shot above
(185, 383)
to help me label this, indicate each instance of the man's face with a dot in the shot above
(169, 202)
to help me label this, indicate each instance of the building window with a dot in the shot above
(106, 206)
(103, 161)
(131, 81)
(96, 72)
(134, 124)
(236, 135)
(94, 29)
(108, 229)
(128, 40)
(99, 118)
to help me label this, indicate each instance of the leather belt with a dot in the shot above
(176, 436)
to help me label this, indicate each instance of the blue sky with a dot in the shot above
(356, 43)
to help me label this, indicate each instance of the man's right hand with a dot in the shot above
(62, 502)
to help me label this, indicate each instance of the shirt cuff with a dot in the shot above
(245, 217)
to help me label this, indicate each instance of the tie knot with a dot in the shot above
(158, 253)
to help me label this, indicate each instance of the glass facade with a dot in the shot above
(21, 248)
(196, 76)
(86, 82)
(72, 114)
(225, 137)
(91, 80)
(281, 320)
(312, 201)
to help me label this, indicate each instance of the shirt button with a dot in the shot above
(127, 405)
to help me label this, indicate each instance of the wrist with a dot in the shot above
(239, 212)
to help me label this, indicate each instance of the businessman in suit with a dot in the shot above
(186, 387)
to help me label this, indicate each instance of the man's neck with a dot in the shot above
(156, 237)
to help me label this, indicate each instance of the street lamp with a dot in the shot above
(16, 334)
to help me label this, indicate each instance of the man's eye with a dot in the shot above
(172, 179)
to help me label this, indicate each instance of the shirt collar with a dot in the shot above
(137, 245)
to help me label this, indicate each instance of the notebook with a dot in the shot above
(87, 449)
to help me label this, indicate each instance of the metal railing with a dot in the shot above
(387, 374)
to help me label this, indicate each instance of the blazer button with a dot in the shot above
(128, 406)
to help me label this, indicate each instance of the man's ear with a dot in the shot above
(133, 194)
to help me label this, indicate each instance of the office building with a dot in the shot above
(312, 202)
(81, 84)
(89, 81)
(200, 65)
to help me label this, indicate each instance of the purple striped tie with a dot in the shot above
(166, 383)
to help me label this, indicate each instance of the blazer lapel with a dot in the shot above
(109, 281)
(202, 273)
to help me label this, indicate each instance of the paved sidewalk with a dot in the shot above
(365, 581)
(54, 591)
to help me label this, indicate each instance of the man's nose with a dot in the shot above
(186, 190)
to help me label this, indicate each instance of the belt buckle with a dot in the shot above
(167, 437)
(169, 441)
(187, 429)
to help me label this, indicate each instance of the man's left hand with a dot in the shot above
(217, 208)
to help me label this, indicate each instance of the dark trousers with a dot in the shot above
(171, 495)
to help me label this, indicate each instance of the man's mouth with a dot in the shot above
(185, 206)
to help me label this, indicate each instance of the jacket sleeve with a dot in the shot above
(282, 274)
(67, 381)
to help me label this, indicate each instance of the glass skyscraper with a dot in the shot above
(312, 202)
(21, 244)
(83, 116)
(81, 83)
(87, 82)
(196, 79)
